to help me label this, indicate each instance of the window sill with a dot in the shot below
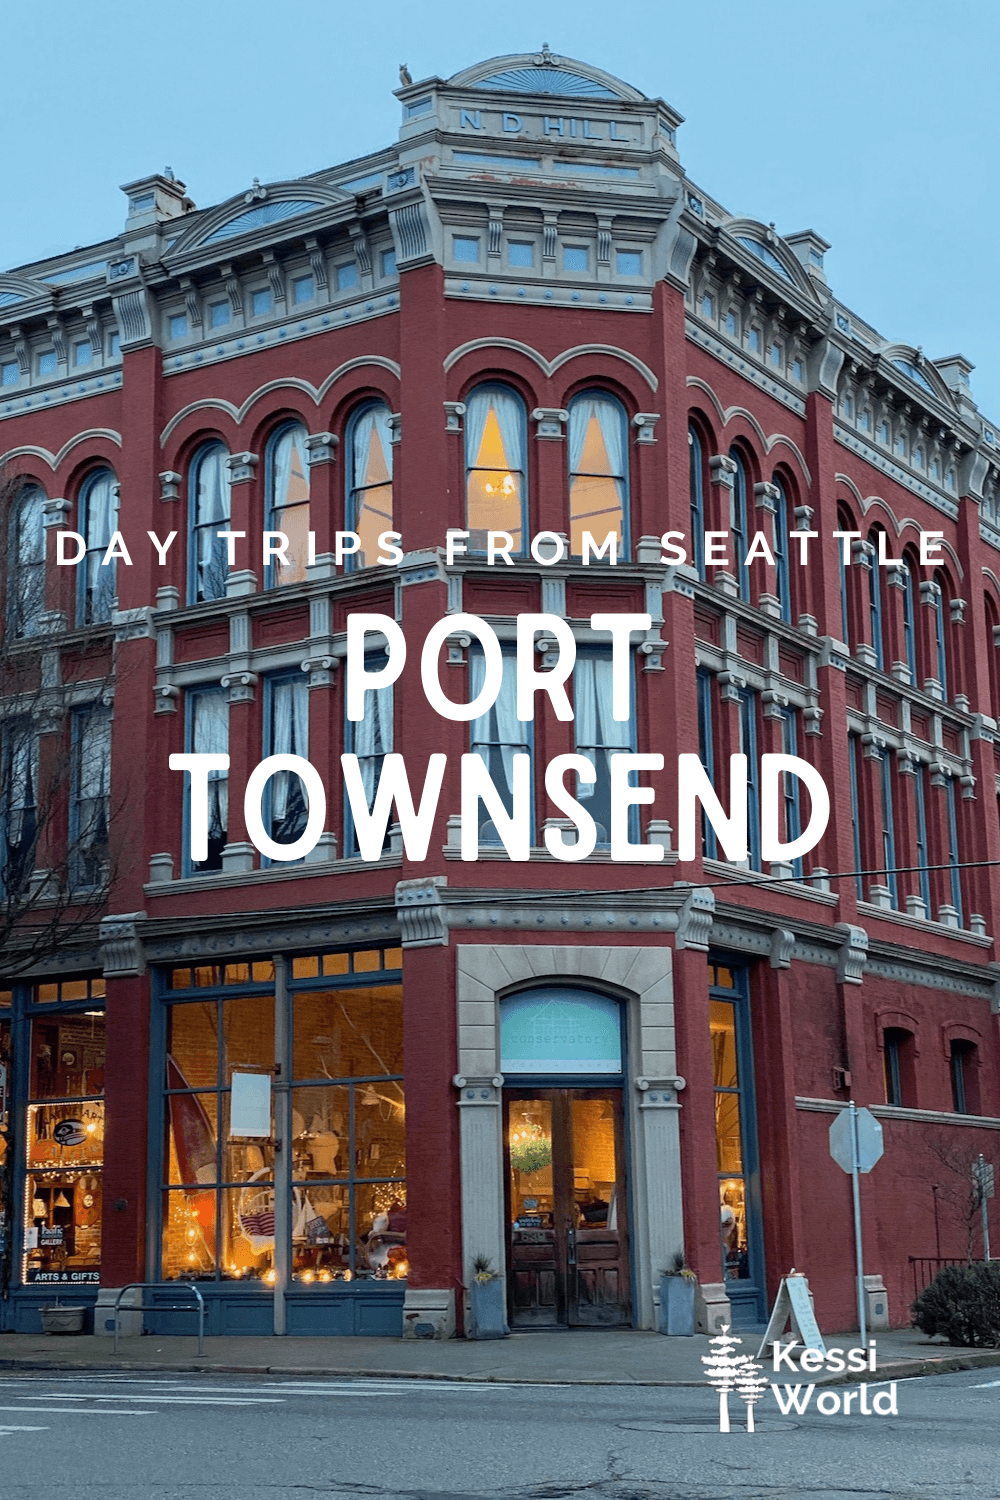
(873, 913)
(542, 856)
(753, 879)
(220, 881)
(900, 1112)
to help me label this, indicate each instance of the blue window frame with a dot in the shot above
(940, 652)
(206, 732)
(598, 471)
(738, 522)
(286, 732)
(954, 874)
(26, 566)
(599, 736)
(496, 488)
(209, 510)
(371, 740)
(696, 481)
(920, 801)
(89, 796)
(98, 521)
(888, 845)
(748, 747)
(287, 488)
(792, 787)
(782, 578)
(18, 805)
(852, 764)
(875, 612)
(844, 523)
(909, 633)
(706, 754)
(737, 1155)
(369, 479)
(497, 736)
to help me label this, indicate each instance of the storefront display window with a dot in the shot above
(344, 1177)
(6, 1154)
(64, 1145)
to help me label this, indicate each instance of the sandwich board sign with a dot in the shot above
(792, 1305)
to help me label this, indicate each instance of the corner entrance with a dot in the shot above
(567, 1208)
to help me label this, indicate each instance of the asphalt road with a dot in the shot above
(121, 1437)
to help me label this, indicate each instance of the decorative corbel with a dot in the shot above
(321, 448)
(272, 270)
(241, 467)
(721, 469)
(454, 411)
(852, 955)
(240, 685)
(359, 241)
(234, 290)
(550, 421)
(644, 422)
(494, 240)
(21, 350)
(58, 336)
(957, 607)
(191, 301)
(95, 331)
(318, 262)
(767, 496)
(604, 241)
(170, 483)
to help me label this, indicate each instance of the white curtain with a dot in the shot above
(22, 773)
(374, 420)
(609, 420)
(282, 453)
(27, 575)
(289, 735)
(93, 772)
(509, 409)
(212, 509)
(597, 731)
(101, 518)
(477, 410)
(498, 734)
(373, 737)
(211, 737)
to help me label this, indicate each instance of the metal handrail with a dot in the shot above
(144, 1307)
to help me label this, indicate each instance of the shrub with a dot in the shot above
(962, 1304)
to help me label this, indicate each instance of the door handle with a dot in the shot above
(570, 1245)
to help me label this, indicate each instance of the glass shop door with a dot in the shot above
(567, 1208)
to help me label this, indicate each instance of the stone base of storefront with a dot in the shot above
(429, 1313)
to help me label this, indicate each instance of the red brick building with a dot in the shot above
(520, 317)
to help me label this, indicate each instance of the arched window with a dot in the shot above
(598, 471)
(939, 653)
(369, 479)
(696, 456)
(26, 567)
(992, 646)
(875, 610)
(209, 511)
(909, 621)
(496, 490)
(845, 523)
(782, 576)
(98, 520)
(288, 502)
(738, 522)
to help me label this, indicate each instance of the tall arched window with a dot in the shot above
(845, 522)
(909, 621)
(288, 502)
(738, 522)
(782, 576)
(26, 566)
(696, 456)
(369, 479)
(208, 513)
(939, 652)
(875, 610)
(992, 646)
(598, 471)
(496, 491)
(98, 520)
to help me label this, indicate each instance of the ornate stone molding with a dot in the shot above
(322, 448)
(423, 921)
(121, 949)
(550, 422)
(852, 955)
(241, 467)
(694, 920)
(644, 422)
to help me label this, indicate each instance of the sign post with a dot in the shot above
(856, 1145)
(985, 1180)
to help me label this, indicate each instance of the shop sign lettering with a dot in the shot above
(88, 1278)
(543, 127)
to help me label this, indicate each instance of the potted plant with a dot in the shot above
(487, 1313)
(677, 1289)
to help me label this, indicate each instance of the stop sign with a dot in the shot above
(870, 1144)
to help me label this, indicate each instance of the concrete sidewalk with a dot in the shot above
(577, 1357)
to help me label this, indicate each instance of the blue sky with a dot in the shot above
(873, 123)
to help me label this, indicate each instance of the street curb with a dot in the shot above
(898, 1370)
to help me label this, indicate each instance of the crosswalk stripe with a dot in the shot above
(74, 1411)
(138, 1396)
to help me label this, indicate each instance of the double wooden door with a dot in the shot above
(567, 1208)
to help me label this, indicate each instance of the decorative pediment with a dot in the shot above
(261, 208)
(769, 249)
(14, 289)
(544, 73)
(905, 360)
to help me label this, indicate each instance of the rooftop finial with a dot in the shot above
(547, 58)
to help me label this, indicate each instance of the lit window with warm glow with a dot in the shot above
(288, 502)
(369, 501)
(598, 471)
(495, 421)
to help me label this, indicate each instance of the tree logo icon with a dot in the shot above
(728, 1371)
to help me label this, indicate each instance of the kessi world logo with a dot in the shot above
(731, 1372)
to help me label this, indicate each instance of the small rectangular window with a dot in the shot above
(865, 421)
(303, 289)
(707, 306)
(464, 248)
(575, 257)
(9, 374)
(261, 302)
(114, 345)
(883, 432)
(347, 276)
(521, 253)
(388, 262)
(629, 263)
(797, 371)
(177, 325)
(47, 362)
(846, 406)
(731, 324)
(83, 353)
(754, 340)
(776, 356)
(218, 314)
